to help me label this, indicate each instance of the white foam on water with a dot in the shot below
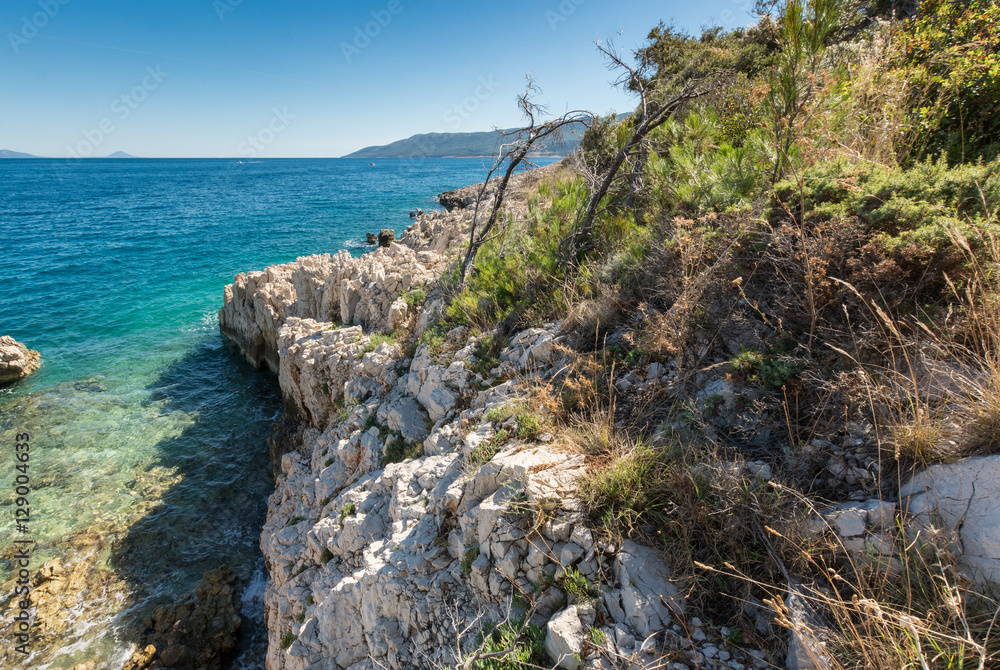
(253, 595)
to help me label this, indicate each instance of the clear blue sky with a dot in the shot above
(205, 78)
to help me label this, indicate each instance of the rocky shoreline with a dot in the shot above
(376, 560)
(410, 510)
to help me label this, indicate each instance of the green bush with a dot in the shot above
(529, 648)
(951, 51)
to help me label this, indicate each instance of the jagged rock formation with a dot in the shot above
(16, 360)
(375, 563)
(338, 289)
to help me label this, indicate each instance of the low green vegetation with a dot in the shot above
(528, 424)
(470, 556)
(486, 450)
(399, 449)
(347, 510)
(375, 340)
(529, 646)
(415, 297)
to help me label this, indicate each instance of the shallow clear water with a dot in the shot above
(146, 428)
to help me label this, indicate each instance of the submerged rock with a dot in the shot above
(16, 360)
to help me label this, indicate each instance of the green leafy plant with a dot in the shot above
(528, 646)
(347, 510)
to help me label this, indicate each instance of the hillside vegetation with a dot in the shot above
(795, 273)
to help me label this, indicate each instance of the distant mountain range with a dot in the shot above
(6, 153)
(459, 145)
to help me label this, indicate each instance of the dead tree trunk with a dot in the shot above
(581, 238)
(511, 155)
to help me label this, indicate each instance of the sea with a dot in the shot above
(148, 433)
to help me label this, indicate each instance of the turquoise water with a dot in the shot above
(147, 431)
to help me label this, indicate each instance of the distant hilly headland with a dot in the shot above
(463, 145)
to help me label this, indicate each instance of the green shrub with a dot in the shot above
(400, 450)
(575, 584)
(529, 647)
(375, 340)
(415, 297)
(347, 510)
(486, 450)
(951, 54)
(287, 639)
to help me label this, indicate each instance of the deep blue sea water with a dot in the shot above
(146, 429)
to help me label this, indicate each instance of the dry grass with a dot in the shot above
(915, 610)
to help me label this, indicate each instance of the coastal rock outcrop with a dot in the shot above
(386, 236)
(16, 360)
(408, 515)
(464, 197)
(338, 289)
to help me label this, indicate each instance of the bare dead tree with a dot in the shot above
(513, 151)
(581, 238)
(633, 78)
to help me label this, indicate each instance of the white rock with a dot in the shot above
(963, 495)
(648, 597)
(16, 360)
(564, 638)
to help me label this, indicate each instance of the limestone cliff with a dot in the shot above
(375, 563)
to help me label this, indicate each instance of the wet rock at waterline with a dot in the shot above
(386, 236)
(16, 360)
(199, 632)
(371, 238)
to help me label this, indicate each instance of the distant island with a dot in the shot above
(464, 145)
(6, 153)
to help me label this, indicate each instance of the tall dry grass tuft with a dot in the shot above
(914, 610)
(979, 297)
(865, 114)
